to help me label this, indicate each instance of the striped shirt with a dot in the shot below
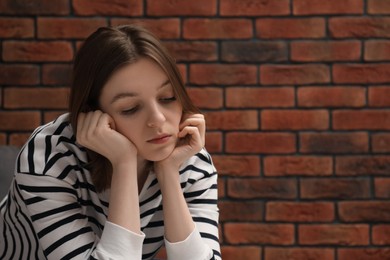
(52, 210)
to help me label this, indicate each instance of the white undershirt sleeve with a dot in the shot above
(191, 248)
(119, 243)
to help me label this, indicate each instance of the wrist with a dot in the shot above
(167, 175)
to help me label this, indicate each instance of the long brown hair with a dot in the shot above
(102, 54)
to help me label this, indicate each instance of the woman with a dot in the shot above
(122, 173)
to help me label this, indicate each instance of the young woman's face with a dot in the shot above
(140, 99)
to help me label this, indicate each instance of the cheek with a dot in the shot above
(129, 129)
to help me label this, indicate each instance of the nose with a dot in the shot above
(156, 116)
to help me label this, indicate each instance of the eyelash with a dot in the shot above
(168, 100)
(135, 109)
(130, 111)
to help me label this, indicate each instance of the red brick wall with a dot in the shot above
(297, 97)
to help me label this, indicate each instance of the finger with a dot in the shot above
(106, 120)
(200, 123)
(194, 137)
(190, 130)
(80, 121)
(193, 122)
(93, 122)
(80, 125)
(188, 115)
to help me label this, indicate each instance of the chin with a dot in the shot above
(159, 155)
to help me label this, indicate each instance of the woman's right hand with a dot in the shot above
(96, 131)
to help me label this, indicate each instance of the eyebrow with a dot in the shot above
(132, 94)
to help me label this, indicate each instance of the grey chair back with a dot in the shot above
(8, 156)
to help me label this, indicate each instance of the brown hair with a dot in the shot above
(102, 54)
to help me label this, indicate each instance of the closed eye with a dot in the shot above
(130, 111)
(168, 100)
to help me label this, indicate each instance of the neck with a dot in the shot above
(142, 172)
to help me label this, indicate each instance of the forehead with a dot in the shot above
(143, 75)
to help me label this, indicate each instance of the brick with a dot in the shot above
(262, 188)
(361, 120)
(294, 74)
(294, 120)
(223, 74)
(334, 143)
(319, 7)
(183, 72)
(19, 139)
(217, 29)
(272, 234)
(241, 252)
(382, 187)
(300, 211)
(287, 28)
(363, 253)
(377, 50)
(68, 28)
(322, 51)
(193, 50)
(336, 234)
(36, 7)
(163, 28)
(232, 120)
(363, 165)
(114, 7)
(214, 142)
(57, 74)
(260, 97)
(298, 166)
(361, 73)
(240, 210)
(221, 188)
(379, 96)
(16, 27)
(19, 120)
(50, 98)
(262, 143)
(236, 165)
(381, 235)
(181, 8)
(3, 139)
(254, 8)
(52, 115)
(359, 27)
(335, 188)
(378, 7)
(249, 51)
(364, 211)
(335, 96)
(162, 253)
(211, 98)
(380, 143)
(19, 74)
(220, 234)
(37, 51)
(301, 253)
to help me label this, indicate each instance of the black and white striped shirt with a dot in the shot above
(52, 210)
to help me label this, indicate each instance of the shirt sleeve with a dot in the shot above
(63, 229)
(201, 196)
(110, 247)
(59, 200)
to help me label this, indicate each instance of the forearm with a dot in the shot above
(175, 208)
(124, 204)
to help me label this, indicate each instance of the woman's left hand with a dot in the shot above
(191, 139)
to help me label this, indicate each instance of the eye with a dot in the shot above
(168, 100)
(130, 111)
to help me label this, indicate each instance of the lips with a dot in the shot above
(159, 139)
